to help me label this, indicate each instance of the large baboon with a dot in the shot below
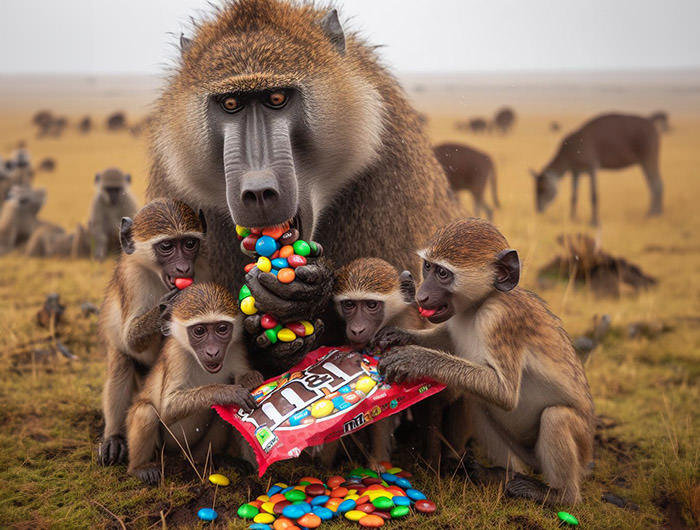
(274, 114)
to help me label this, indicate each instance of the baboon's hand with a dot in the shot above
(112, 451)
(391, 336)
(302, 299)
(166, 301)
(282, 350)
(407, 287)
(250, 380)
(403, 364)
(148, 474)
(235, 395)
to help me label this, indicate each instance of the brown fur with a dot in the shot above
(202, 299)
(163, 217)
(465, 243)
(367, 275)
(269, 43)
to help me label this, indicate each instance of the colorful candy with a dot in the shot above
(567, 518)
(219, 479)
(181, 283)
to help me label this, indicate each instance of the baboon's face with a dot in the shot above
(545, 191)
(261, 133)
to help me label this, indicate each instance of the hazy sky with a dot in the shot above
(132, 36)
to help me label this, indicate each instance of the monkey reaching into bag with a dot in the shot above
(500, 344)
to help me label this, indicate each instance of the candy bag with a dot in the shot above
(330, 393)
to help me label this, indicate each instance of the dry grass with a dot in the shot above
(646, 389)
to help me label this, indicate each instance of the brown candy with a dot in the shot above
(289, 237)
(314, 490)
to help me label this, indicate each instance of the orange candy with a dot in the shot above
(277, 497)
(285, 252)
(335, 481)
(312, 480)
(339, 492)
(309, 520)
(275, 232)
(248, 267)
(282, 523)
(386, 465)
(256, 503)
(361, 500)
(286, 275)
(396, 491)
(371, 521)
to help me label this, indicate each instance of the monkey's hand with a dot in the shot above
(112, 451)
(166, 302)
(406, 363)
(283, 351)
(391, 336)
(148, 474)
(250, 380)
(234, 395)
(407, 287)
(302, 299)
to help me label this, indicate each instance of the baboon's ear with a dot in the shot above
(125, 237)
(127, 177)
(97, 178)
(333, 30)
(185, 44)
(507, 270)
(407, 287)
(203, 220)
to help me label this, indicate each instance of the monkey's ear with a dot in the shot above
(407, 287)
(507, 270)
(97, 178)
(125, 237)
(333, 30)
(203, 220)
(127, 177)
(185, 44)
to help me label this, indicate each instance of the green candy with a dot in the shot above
(383, 503)
(399, 511)
(271, 334)
(358, 472)
(244, 292)
(295, 495)
(314, 247)
(304, 483)
(247, 511)
(301, 248)
(370, 473)
(568, 518)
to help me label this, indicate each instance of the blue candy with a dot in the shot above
(280, 263)
(324, 514)
(347, 505)
(415, 495)
(259, 526)
(319, 500)
(294, 511)
(340, 403)
(295, 419)
(274, 489)
(207, 514)
(344, 389)
(389, 478)
(402, 483)
(266, 246)
(401, 501)
(285, 490)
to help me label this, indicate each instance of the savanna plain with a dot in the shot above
(646, 388)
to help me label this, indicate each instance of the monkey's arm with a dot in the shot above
(181, 403)
(435, 338)
(143, 330)
(497, 384)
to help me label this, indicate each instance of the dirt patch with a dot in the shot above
(522, 522)
(584, 262)
(673, 513)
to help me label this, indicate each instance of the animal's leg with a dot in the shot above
(574, 194)
(656, 188)
(594, 198)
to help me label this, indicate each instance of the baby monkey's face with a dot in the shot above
(209, 342)
(176, 258)
(363, 318)
(435, 296)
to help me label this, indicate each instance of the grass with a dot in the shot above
(646, 389)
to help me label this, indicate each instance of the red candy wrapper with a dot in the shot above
(330, 393)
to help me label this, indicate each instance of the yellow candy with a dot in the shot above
(280, 484)
(365, 384)
(308, 327)
(286, 335)
(322, 408)
(265, 518)
(373, 494)
(394, 470)
(269, 507)
(354, 515)
(264, 264)
(242, 231)
(352, 495)
(219, 480)
(263, 498)
(248, 305)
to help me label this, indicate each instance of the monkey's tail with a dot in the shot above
(494, 191)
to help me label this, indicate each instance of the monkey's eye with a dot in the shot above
(426, 266)
(372, 304)
(347, 305)
(223, 328)
(191, 243)
(276, 100)
(166, 246)
(230, 104)
(199, 331)
(443, 273)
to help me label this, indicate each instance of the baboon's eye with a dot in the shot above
(223, 328)
(372, 304)
(443, 273)
(276, 100)
(191, 243)
(165, 246)
(426, 266)
(199, 331)
(348, 305)
(230, 104)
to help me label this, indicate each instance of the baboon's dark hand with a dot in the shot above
(302, 299)
(166, 301)
(402, 364)
(407, 287)
(250, 380)
(390, 336)
(113, 451)
(283, 350)
(238, 396)
(149, 474)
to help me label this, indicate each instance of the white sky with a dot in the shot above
(430, 36)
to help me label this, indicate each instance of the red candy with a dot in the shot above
(297, 327)
(295, 260)
(425, 506)
(181, 283)
(249, 242)
(268, 321)
(249, 267)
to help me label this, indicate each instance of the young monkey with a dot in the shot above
(500, 344)
(201, 357)
(160, 246)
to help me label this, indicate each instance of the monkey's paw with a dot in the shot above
(112, 451)
(148, 474)
(524, 487)
(236, 395)
(401, 365)
(250, 380)
(282, 351)
(391, 336)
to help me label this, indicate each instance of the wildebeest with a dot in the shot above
(660, 119)
(609, 141)
(85, 124)
(504, 120)
(116, 121)
(469, 169)
(47, 164)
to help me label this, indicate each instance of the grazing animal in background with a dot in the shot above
(554, 126)
(53, 241)
(111, 202)
(660, 120)
(317, 131)
(530, 401)
(609, 141)
(47, 164)
(18, 219)
(504, 119)
(161, 245)
(85, 125)
(43, 119)
(203, 363)
(478, 125)
(469, 169)
(116, 121)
